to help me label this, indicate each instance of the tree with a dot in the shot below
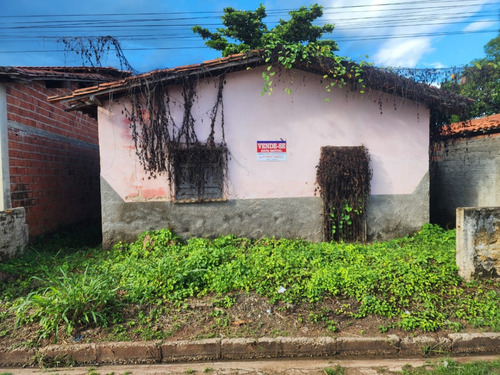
(480, 80)
(245, 30)
(287, 44)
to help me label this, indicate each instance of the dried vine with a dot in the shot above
(164, 147)
(92, 50)
(343, 176)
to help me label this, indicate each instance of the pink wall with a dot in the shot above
(397, 139)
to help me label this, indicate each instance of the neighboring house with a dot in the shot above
(49, 156)
(465, 168)
(273, 144)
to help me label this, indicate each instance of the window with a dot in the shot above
(199, 172)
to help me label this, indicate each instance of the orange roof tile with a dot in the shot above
(78, 73)
(374, 78)
(479, 125)
(120, 85)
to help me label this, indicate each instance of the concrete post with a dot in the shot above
(4, 152)
(478, 242)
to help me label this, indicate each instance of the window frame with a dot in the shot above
(189, 163)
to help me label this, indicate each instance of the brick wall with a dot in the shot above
(465, 172)
(53, 157)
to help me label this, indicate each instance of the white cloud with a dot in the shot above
(365, 20)
(476, 26)
(402, 52)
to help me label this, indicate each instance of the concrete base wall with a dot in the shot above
(388, 217)
(13, 233)
(398, 215)
(254, 218)
(478, 242)
(465, 173)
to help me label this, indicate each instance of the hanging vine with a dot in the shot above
(343, 176)
(92, 50)
(164, 147)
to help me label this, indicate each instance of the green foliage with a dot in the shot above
(337, 370)
(413, 281)
(245, 30)
(75, 301)
(451, 367)
(480, 80)
(341, 224)
(290, 43)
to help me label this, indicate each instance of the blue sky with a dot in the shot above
(156, 33)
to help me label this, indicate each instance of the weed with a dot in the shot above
(45, 361)
(332, 326)
(413, 281)
(75, 301)
(450, 367)
(337, 370)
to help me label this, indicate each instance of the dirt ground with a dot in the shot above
(248, 316)
(269, 367)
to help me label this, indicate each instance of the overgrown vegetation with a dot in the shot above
(93, 50)
(452, 367)
(292, 43)
(480, 80)
(412, 283)
(173, 149)
(344, 178)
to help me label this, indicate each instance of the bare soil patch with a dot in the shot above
(249, 315)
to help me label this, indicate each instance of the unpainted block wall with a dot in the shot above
(13, 233)
(54, 159)
(465, 172)
(478, 242)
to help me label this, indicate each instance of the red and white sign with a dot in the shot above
(271, 150)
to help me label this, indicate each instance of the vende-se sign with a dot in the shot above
(271, 150)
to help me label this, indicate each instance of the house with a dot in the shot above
(49, 156)
(199, 149)
(465, 168)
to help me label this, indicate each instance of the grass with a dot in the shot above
(450, 367)
(69, 283)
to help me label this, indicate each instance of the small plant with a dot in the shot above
(332, 326)
(74, 301)
(383, 329)
(341, 226)
(225, 302)
(451, 367)
(337, 370)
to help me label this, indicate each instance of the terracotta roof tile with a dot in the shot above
(80, 73)
(480, 125)
(374, 78)
(167, 72)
